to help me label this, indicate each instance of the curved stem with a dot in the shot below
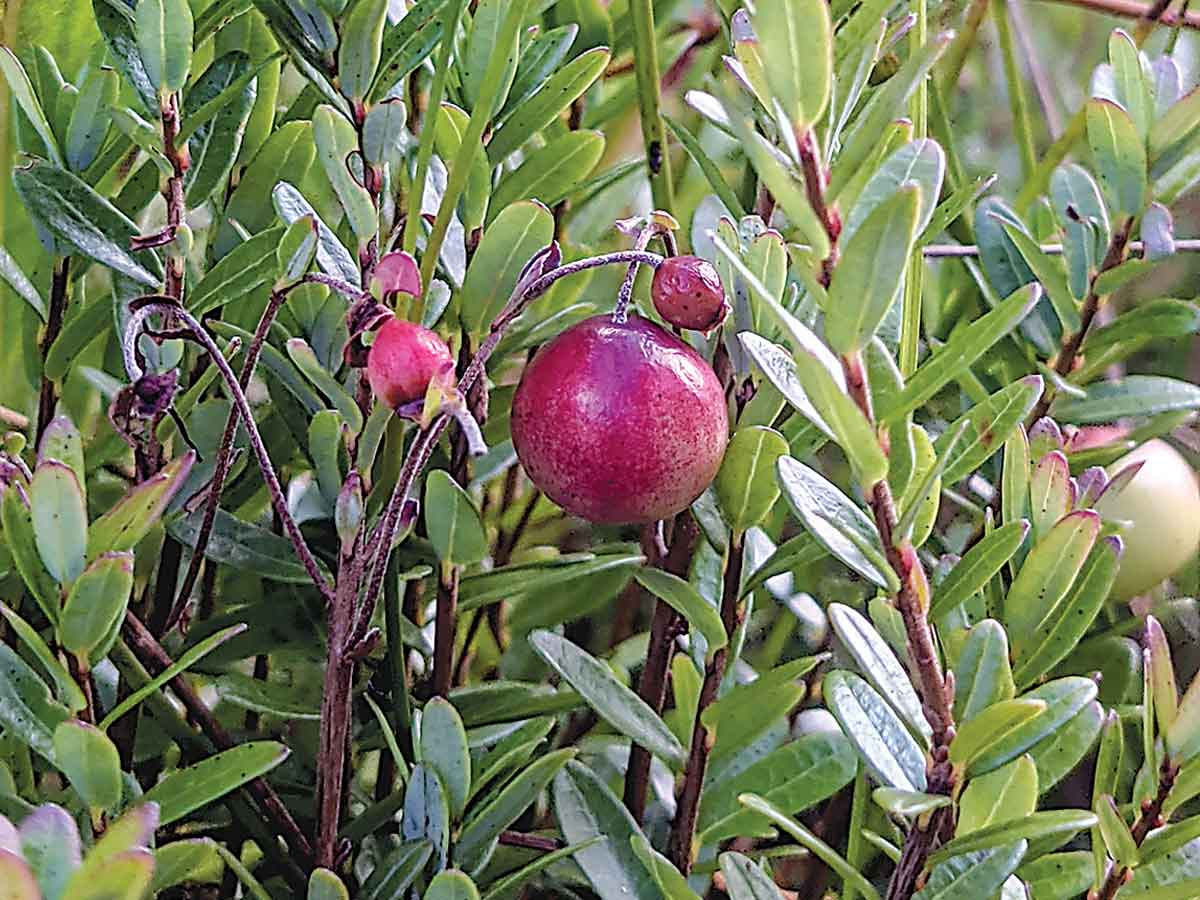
(278, 498)
(224, 460)
(625, 294)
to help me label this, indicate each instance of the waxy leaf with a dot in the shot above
(616, 704)
(746, 484)
(90, 761)
(336, 142)
(797, 37)
(189, 789)
(834, 520)
(59, 520)
(982, 676)
(988, 425)
(746, 881)
(453, 522)
(96, 603)
(164, 35)
(1057, 755)
(976, 874)
(1120, 155)
(551, 173)
(586, 809)
(1063, 698)
(1134, 395)
(123, 526)
(360, 47)
(981, 563)
(50, 842)
(1001, 795)
(444, 749)
(990, 727)
(1057, 823)
(879, 665)
(20, 541)
(885, 744)
(396, 871)
(512, 239)
(23, 93)
(687, 601)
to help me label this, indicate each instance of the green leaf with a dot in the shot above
(991, 726)
(1064, 698)
(360, 48)
(781, 370)
(514, 582)
(451, 885)
(214, 145)
(586, 809)
(812, 843)
(921, 162)
(89, 122)
(124, 877)
(516, 234)
(1168, 839)
(671, 884)
(325, 885)
(796, 36)
(1057, 755)
(1178, 890)
(1073, 188)
(186, 790)
(551, 173)
(1153, 319)
(59, 520)
(164, 36)
(449, 130)
(746, 711)
(710, 170)
(15, 278)
(879, 665)
(566, 86)
(1002, 795)
(540, 58)
(1134, 395)
(982, 675)
(1059, 876)
(332, 255)
(1117, 837)
(68, 691)
(296, 251)
(1129, 79)
(1064, 624)
(868, 278)
(132, 517)
(509, 885)
(908, 803)
(239, 276)
(794, 777)
(337, 142)
(305, 359)
(444, 749)
(19, 539)
(266, 697)
(966, 345)
(981, 563)
(27, 101)
(746, 881)
(977, 874)
(396, 871)
(1050, 274)
(685, 600)
(383, 134)
(795, 553)
(408, 43)
(616, 704)
(452, 521)
(989, 424)
(116, 23)
(61, 441)
(885, 744)
(746, 485)
(1058, 823)
(288, 153)
(776, 172)
(243, 546)
(90, 761)
(96, 602)
(27, 711)
(1120, 155)
(834, 520)
(1046, 576)
(488, 39)
(75, 214)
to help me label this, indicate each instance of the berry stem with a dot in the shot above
(625, 294)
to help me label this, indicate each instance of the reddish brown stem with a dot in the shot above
(1150, 817)
(48, 398)
(683, 831)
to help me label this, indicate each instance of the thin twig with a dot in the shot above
(278, 498)
(1150, 817)
(683, 830)
(155, 659)
(48, 397)
(1131, 9)
(959, 251)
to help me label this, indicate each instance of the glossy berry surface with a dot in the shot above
(402, 361)
(687, 292)
(1161, 510)
(620, 422)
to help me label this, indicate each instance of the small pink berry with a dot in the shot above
(687, 292)
(403, 360)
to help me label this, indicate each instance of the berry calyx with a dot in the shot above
(687, 292)
(403, 360)
(620, 422)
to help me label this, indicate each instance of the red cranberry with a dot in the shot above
(687, 292)
(402, 361)
(620, 422)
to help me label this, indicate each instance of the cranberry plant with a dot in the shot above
(421, 490)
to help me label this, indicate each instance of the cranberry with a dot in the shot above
(687, 292)
(402, 361)
(620, 422)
